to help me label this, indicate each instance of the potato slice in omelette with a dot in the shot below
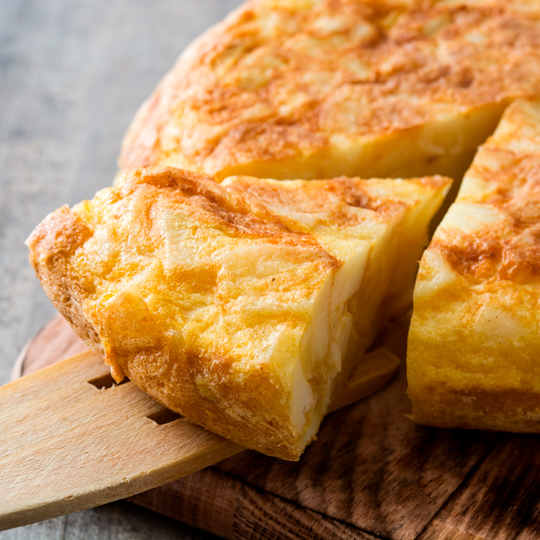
(474, 344)
(322, 88)
(242, 305)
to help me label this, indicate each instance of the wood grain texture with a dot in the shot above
(72, 75)
(115, 521)
(502, 499)
(67, 444)
(72, 439)
(373, 468)
(220, 503)
(371, 472)
(439, 531)
(54, 340)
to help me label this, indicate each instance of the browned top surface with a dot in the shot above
(501, 192)
(280, 79)
(335, 203)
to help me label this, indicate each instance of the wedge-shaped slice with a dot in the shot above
(242, 306)
(474, 343)
(320, 88)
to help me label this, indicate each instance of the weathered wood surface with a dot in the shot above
(371, 474)
(72, 75)
(71, 439)
(501, 500)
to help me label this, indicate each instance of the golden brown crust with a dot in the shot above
(281, 81)
(324, 199)
(201, 191)
(244, 419)
(508, 249)
(216, 304)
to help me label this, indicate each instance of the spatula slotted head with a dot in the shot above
(72, 439)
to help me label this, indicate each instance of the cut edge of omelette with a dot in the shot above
(474, 341)
(226, 308)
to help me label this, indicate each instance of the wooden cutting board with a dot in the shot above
(371, 474)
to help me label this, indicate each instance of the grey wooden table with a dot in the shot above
(72, 75)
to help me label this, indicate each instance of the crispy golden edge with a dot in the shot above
(51, 244)
(516, 410)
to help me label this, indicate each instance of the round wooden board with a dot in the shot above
(54, 342)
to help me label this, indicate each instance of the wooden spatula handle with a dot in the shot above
(70, 439)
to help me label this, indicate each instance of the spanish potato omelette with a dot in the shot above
(474, 341)
(242, 305)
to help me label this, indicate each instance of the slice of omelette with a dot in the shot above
(322, 88)
(241, 305)
(474, 344)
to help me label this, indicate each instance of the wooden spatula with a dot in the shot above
(71, 439)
